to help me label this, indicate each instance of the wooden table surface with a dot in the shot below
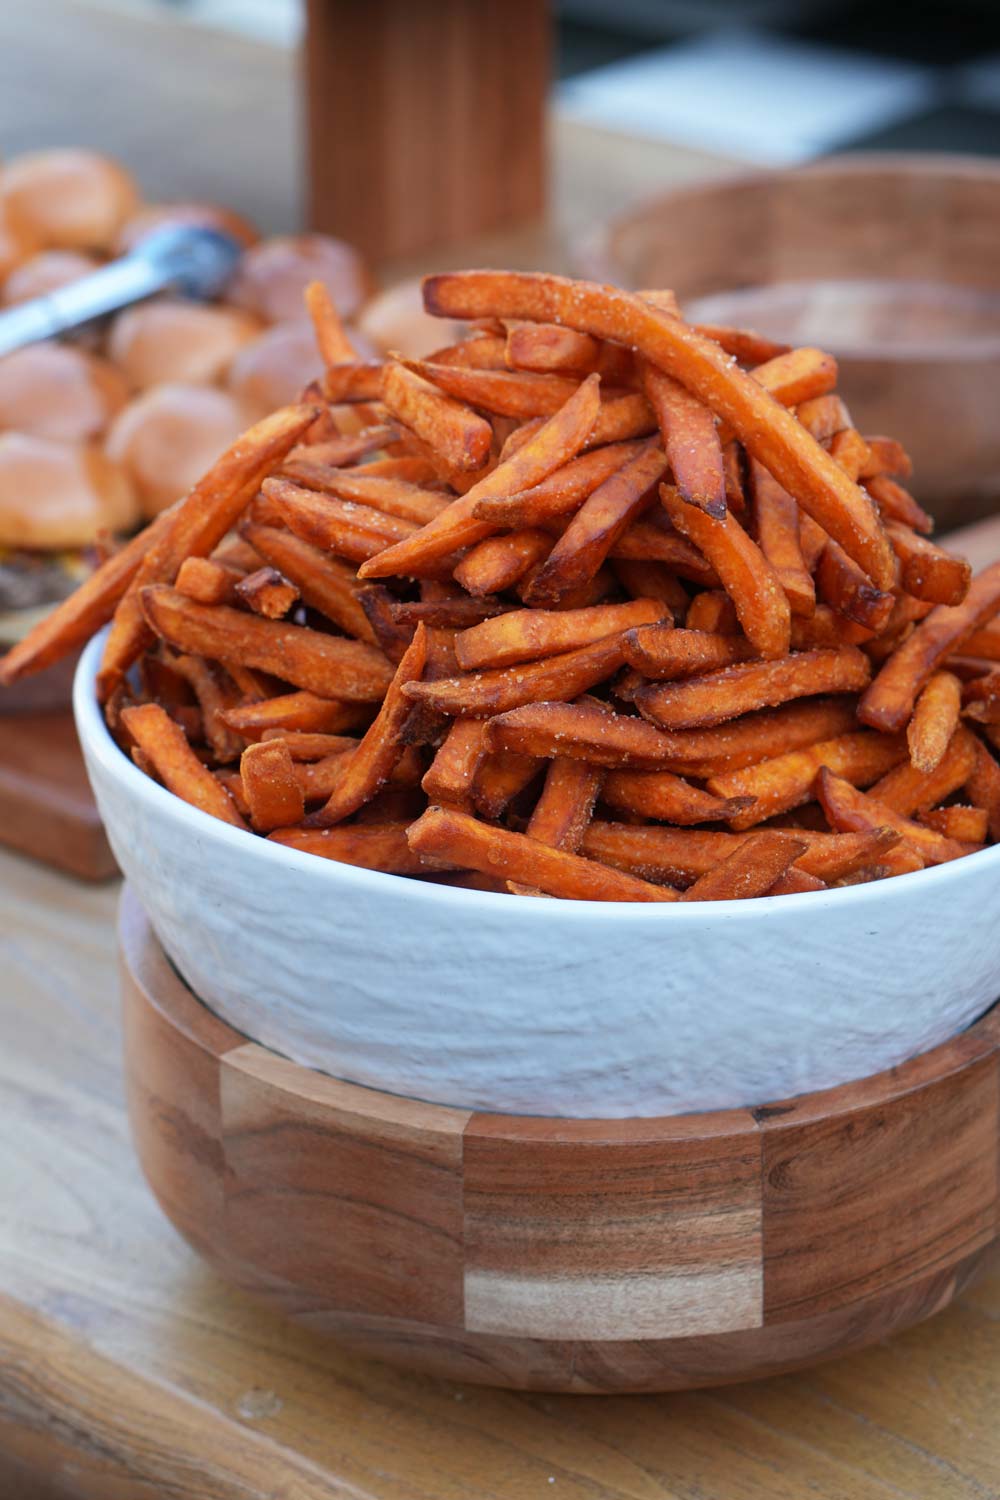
(128, 1371)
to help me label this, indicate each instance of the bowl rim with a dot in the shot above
(97, 741)
(592, 257)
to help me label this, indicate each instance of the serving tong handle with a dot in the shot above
(192, 260)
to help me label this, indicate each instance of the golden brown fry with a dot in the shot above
(372, 846)
(498, 562)
(983, 786)
(528, 634)
(562, 492)
(743, 344)
(208, 581)
(668, 797)
(196, 527)
(545, 347)
(163, 744)
(587, 730)
(553, 444)
(443, 833)
(327, 665)
(396, 497)
(776, 517)
(850, 451)
(969, 825)
(747, 576)
(215, 692)
(509, 393)
(690, 440)
(823, 416)
(452, 772)
(928, 572)
(660, 652)
(825, 627)
(342, 526)
(297, 711)
(714, 697)
(325, 583)
(909, 789)
(566, 804)
(450, 429)
(369, 767)
(713, 611)
(787, 779)
(332, 341)
(267, 593)
(935, 719)
(750, 870)
(309, 745)
(492, 692)
(651, 540)
(500, 776)
(597, 526)
(843, 586)
(888, 702)
(270, 786)
(849, 810)
(897, 504)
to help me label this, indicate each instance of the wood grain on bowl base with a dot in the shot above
(583, 1255)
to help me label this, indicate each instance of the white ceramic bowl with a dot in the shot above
(547, 1007)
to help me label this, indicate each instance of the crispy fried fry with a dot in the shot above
(743, 344)
(452, 772)
(373, 846)
(270, 786)
(528, 634)
(897, 504)
(331, 339)
(500, 776)
(545, 347)
(163, 744)
(927, 572)
(983, 786)
(309, 745)
(586, 730)
(562, 492)
(665, 795)
(776, 517)
(351, 530)
(725, 694)
(396, 497)
(443, 833)
(969, 825)
(498, 562)
(935, 719)
(450, 429)
(215, 692)
(750, 870)
(267, 593)
(648, 540)
(909, 789)
(852, 811)
(660, 652)
(566, 804)
(492, 692)
(849, 591)
(327, 665)
(690, 440)
(653, 580)
(208, 581)
(325, 583)
(787, 780)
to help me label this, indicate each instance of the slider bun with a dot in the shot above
(395, 319)
(46, 272)
(273, 276)
(159, 215)
(69, 199)
(272, 371)
(54, 496)
(59, 391)
(16, 244)
(166, 439)
(171, 340)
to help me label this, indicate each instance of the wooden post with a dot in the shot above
(425, 119)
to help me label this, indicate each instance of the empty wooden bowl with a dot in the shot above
(889, 262)
(555, 1254)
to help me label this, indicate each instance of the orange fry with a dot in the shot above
(528, 634)
(660, 652)
(767, 430)
(325, 583)
(908, 789)
(649, 541)
(597, 526)
(935, 719)
(449, 428)
(983, 787)
(886, 456)
(969, 825)
(777, 520)
(306, 745)
(270, 786)
(546, 347)
(208, 581)
(897, 504)
(750, 870)
(849, 810)
(369, 767)
(561, 677)
(371, 846)
(566, 804)
(587, 730)
(714, 697)
(849, 591)
(888, 702)
(500, 776)
(509, 393)
(653, 580)
(452, 772)
(498, 562)
(743, 344)
(668, 797)
(690, 440)
(787, 780)
(746, 574)
(165, 746)
(267, 593)
(397, 497)
(562, 492)
(330, 666)
(297, 711)
(927, 572)
(443, 833)
(332, 341)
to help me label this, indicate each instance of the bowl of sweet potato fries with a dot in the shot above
(594, 731)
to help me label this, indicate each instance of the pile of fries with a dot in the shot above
(597, 604)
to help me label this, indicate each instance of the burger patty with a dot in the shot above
(31, 579)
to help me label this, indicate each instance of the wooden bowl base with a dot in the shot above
(565, 1255)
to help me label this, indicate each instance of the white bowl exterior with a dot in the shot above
(575, 1009)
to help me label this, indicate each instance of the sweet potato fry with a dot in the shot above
(759, 736)
(888, 702)
(935, 719)
(750, 870)
(561, 677)
(746, 575)
(77, 618)
(457, 613)
(927, 571)
(552, 445)
(908, 789)
(528, 634)
(451, 774)
(208, 581)
(776, 517)
(498, 562)
(396, 497)
(303, 711)
(331, 339)
(566, 804)
(509, 393)
(353, 380)
(163, 744)
(587, 730)
(969, 825)
(698, 702)
(690, 440)
(270, 786)
(196, 527)
(484, 351)
(546, 347)
(886, 456)
(448, 427)
(653, 580)
(342, 526)
(622, 417)
(325, 583)
(500, 776)
(823, 417)
(797, 375)
(327, 665)
(349, 447)
(849, 810)
(408, 467)
(787, 780)
(597, 526)
(897, 504)
(983, 786)
(306, 745)
(369, 767)
(371, 846)
(767, 430)
(562, 492)
(849, 591)
(850, 451)
(446, 834)
(713, 611)
(743, 344)
(649, 541)
(214, 692)
(826, 627)
(267, 593)
(660, 652)
(794, 882)
(666, 796)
